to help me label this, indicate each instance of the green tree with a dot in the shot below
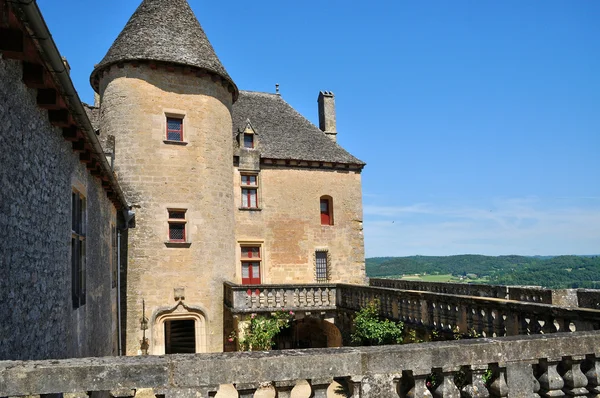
(369, 329)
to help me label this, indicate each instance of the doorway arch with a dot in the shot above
(180, 315)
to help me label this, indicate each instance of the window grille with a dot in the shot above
(177, 224)
(174, 129)
(321, 266)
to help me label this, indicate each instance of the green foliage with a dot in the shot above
(259, 335)
(558, 272)
(369, 329)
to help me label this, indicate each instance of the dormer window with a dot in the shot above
(247, 136)
(248, 141)
(174, 129)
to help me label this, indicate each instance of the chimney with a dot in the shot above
(327, 114)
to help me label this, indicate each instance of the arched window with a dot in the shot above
(326, 203)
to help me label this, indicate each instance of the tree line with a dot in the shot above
(558, 272)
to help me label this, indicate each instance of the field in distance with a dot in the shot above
(442, 278)
(558, 272)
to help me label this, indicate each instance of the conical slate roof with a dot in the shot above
(168, 31)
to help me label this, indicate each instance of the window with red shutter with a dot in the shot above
(250, 265)
(326, 207)
(249, 184)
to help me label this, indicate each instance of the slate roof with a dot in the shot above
(168, 31)
(93, 114)
(283, 133)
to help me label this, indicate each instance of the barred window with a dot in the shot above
(78, 249)
(322, 272)
(174, 129)
(177, 223)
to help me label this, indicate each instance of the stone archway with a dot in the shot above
(180, 312)
(310, 332)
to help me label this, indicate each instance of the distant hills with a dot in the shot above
(547, 271)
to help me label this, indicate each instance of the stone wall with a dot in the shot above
(288, 225)
(554, 365)
(195, 175)
(38, 173)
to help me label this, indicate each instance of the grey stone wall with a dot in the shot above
(37, 173)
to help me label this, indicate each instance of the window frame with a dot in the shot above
(326, 216)
(247, 189)
(178, 118)
(322, 274)
(78, 248)
(251, 262)
(179, 221)
(251, 136)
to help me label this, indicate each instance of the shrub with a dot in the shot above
(259, 334)
(369, 329)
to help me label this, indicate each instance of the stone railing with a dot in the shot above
(519, 293)
(531, 366)
(463, 289)
(257, 298)
(584, 298)
(464, 314)
(588, 298)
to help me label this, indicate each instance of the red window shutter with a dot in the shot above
(325, 214)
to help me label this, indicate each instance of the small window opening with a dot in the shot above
(174, 129)
(177, 224)
(180, 336)
(249, 141)
(322, 266)
(326, 204)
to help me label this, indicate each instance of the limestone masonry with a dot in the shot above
(214, 185)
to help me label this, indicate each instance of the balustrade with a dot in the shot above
(256, 298)
(556, 365)
(480, 316)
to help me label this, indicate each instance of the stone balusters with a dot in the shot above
(476, 387)
(446, 387)
(551, 384)
(591, 366)
(574, 379)
(497, 384)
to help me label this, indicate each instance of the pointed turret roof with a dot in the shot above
(167, 31)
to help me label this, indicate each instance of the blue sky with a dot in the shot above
(479, 120)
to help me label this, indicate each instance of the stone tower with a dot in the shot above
(167, 100)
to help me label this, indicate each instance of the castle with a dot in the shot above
(159, 220)
(206, 184)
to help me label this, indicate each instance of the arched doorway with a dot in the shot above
(178, 330)
(309, 332)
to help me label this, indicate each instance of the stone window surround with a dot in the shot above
(175, 243)
(175, 114)
(263, 258)
(328, 264)
(329, 214)
(255, 187)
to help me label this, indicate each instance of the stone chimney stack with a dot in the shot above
(327, 114)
